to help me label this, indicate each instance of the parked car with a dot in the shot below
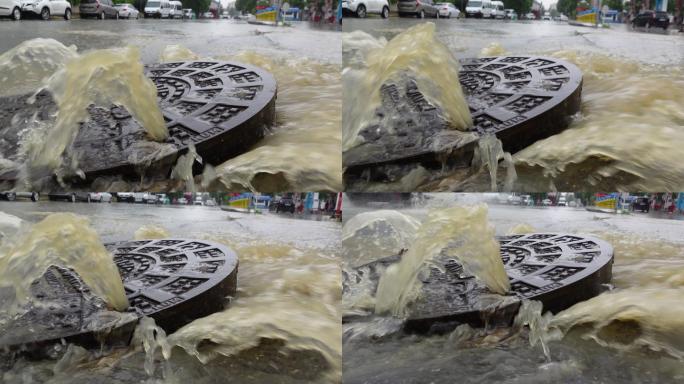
(447, 10)
(210, 203)
(498, 11)
(479, 9)
(285, 205)
(526, 200)
(546, 202)
(11, 9)
(47, 8)
(641, 204)
(361, 8)
(176, 11)
(562, 202)
(562, 17)
(11, 196)
(127, 197)
(158, 9)
(207, 15)
(69, 196)
(530, 16)
(514, 200)
(189, 14)
(510, 14)
(650, 19)
(163, 199)
(546, 17)
(149, 198)
(100, 9)
(100, 197)
(417, 8)
(127, 11)
(198, 201)
(182, 201)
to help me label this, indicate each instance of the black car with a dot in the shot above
(641, 204)
(11, 196)
(285, 205)
(69, 196)
(650, 19)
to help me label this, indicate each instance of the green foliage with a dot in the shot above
(521, 7)
(245, 5)
(199, 6)
(567, 7)
(614, 4)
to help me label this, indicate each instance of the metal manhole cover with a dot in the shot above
(520, 99)
(223, 108)
(557, 269)
(176, 280)
(173, 281)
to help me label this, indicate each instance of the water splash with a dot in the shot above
(489, 152)
(99, 77)
(416, 51)
(151, 231)
(463, 233)
(62, 239)
(183, 169)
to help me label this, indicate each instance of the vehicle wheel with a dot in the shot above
(11, 196)
(35, 196)
(67, 14)
(101, 16)
(385, 12)
(16, 14)
(45, 13)
(421, 15)
(361, 11)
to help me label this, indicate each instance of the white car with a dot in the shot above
(198, 201)
(159, 9)
(183, 201)
(210, 203)
(100, 197)
(546, 202)
(361, 8)
(498, 11)
(562, 202)
(47, 8)
(176, 10)
(447, 10)
(127, 11)
(11, 8)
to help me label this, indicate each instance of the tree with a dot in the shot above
(521, 7)
(199, 6)
(245, 5)
(567, 7)
(614, 4)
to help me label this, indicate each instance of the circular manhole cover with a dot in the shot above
(223, 108)
(520, 99)
(173, 281)
(557, 269)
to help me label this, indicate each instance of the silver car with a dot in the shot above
(100, 9)
(417, 8)
(127, 11)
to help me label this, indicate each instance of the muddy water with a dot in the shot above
(283, 326)
(631, 334)
(629, 130)
(301, 152)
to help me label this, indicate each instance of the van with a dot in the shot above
(479, 8)
(498, 11)
(159, 9)
(176, 11)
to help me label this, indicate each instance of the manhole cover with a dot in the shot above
(557, 269)
(176, 280)
(173, 281)
(520, 99)
(223, 108)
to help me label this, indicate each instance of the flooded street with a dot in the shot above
(630, 334)
(283, 326)
(300, 152)
(626, 135)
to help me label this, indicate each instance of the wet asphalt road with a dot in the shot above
(467, 37)
(561, 219)
(119, 221)
(207, 38)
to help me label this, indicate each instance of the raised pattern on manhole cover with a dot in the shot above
(520, 99)
(221, 107)
(557, 269)
(173, 281)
